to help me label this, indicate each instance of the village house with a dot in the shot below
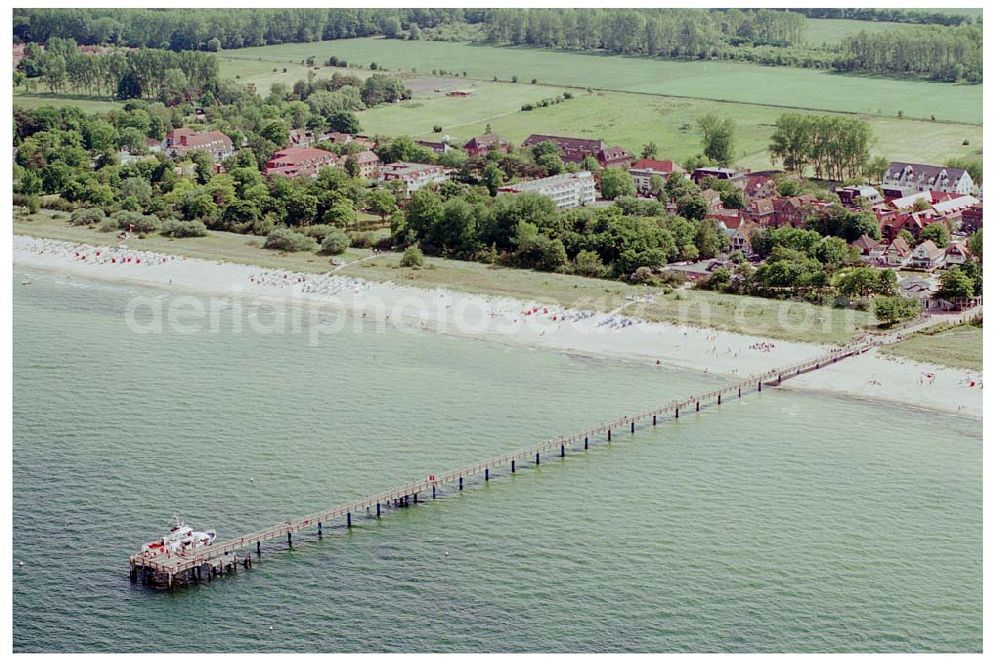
(854, 195)
(480, 145)
(924, 291)
(927, 256)
(865, 245)
(909, 178)
(183, 140)
(793, 211)
(643, 170)
(896, 254)
(368, 164)
(293, 162)
(737, 230)
(713, 200)
(573, 150)
(972, 219)
(566, 190)
(914, 222)
(719, 173)
(956, 254)
(301, 138)
(414, 176)
(438, 147)
(760, 211)
(758, 184)
(952, 208)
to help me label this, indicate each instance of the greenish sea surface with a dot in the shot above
(784, 522)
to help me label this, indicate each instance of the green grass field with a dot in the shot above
(633, 120)
(959, 347)
(831, 32)
(713, 80)
(89, 104)
(263, 73)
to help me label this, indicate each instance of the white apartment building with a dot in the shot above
(415, 176)
(567, 190)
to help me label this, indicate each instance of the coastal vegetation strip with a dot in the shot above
(789, 320)
(954, 347)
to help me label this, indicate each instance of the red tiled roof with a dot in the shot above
(662, 166)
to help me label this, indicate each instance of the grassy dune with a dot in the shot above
(959, 347)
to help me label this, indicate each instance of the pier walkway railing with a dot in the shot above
(172, 564)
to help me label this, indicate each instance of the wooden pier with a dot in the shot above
(168, 571)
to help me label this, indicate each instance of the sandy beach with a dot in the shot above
(321, 297)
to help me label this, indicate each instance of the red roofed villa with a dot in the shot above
(292, 162)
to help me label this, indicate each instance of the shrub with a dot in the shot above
(128, 220)
(412, 257)
(86, 216)
(183, 228)
(319, 231)
(335, 242)
(363, 239)
(289, 241)
(438, 129)
(109, 224)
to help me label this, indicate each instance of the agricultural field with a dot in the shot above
(831, 32)
(263, 73)
(633, 120)
(711, 80)
(33, 100)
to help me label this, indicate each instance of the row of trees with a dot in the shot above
(212, 29)
(170, 76)
(837, 147)
(892, 15)
(688, 33)
(935, 52)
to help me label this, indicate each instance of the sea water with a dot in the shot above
(783, 522)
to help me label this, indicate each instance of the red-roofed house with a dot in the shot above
(292, 162)
(793, 211)
(480, 145)
(576, 150)
(737, 229)
(972, 219)
(368, 164)
(183, 140)
(643, 170)
(760, 211)
(956, 254)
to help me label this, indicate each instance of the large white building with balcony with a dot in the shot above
(567, 190)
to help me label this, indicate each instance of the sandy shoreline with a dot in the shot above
(720, 353)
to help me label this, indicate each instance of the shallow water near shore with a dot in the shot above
(784, 522)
